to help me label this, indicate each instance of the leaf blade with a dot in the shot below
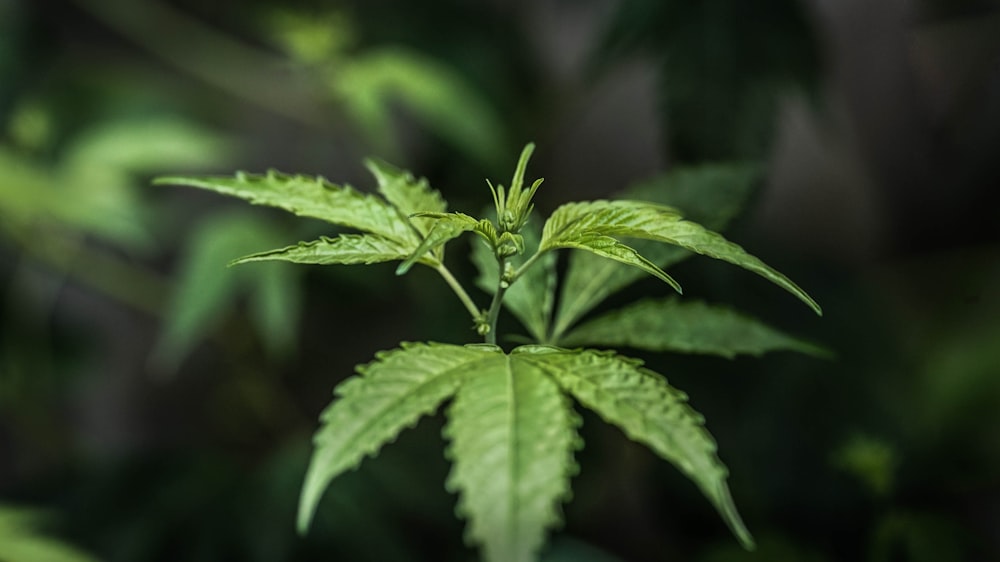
(686, 327)
(346, 249)
(512, 435)
(710, 194)
(446, 227)
(406, 193)
(371, 408)
(650, 411)
(313, 197)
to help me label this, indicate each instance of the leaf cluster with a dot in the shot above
(511, 426)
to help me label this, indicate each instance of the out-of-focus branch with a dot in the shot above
(242, 70)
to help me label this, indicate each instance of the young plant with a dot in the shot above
(511, 424)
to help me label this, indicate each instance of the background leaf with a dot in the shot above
(207, 290)
(438, 97)
(513, 434)
(685, 327)
(21, 541)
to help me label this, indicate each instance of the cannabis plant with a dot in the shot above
(512, 425)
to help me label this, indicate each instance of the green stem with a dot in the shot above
(459, 291)
(528, 263)
(494, 312)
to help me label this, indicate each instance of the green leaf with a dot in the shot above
(649, 411)
(388, 395)
(685, 327)
(596, 219)
(532, 297)
(694, 237)
(610, 218)
(439, 97)
(344, 249)
(407, 194)
(710, 194)
(447, 226)
(309, 197)
(513, 435)
(206, 290)
(610, 248)
(21, 541)
(275, 307)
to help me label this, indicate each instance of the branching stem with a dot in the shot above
(494, 312)
(459, 291)
(528, 263)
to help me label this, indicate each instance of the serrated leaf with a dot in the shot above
(409, 195)
(447, 226)
(649, 411)
(685, 327)
(635, 219)
(388, 395)
(344, 249)
(513, 434)
(698, 239)
(531, 298)
(309, 197)
(609, 218)
(592, 225)
(710, 194)
(610, 248)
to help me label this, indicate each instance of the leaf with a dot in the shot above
(531, 298)
(610, 218)
(513, 434)
(596, 219)
(436, 95)
(709, 194)
(685, 327)
(694, 237)
(344, 249)
(309, 197)
(447, 226)
(405, 193)
(275, 307)
(20, 540)
(649, 411)
(147, 145)
(610, 248)
(206, 290)
(32, 195)
(388, 395)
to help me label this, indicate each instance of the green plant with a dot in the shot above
(512, 427)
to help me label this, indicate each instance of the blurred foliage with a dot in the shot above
(370, 84)
(21, 541)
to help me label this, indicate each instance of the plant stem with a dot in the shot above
(528, 263)
(459, 291)
(494, 312)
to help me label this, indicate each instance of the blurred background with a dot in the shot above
(157, 406)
